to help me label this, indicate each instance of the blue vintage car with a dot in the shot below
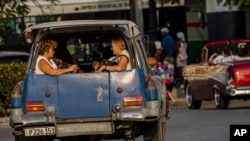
(89, 105)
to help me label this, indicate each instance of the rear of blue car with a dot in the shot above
(89, 105)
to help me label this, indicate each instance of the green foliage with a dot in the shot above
(18, 8)
(9, 76)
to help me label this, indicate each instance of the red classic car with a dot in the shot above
(219, 81)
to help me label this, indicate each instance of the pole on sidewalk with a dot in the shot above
(152, 32)
(136, 13)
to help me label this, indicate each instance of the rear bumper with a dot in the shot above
(73, 128)
(238, 92)
(82, 126)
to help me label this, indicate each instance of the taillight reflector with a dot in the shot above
(232, 83)
(132, 100)
(35, 106)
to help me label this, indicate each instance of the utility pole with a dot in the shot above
(136, 13)
(153, 32)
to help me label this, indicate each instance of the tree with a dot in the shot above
(19, 8)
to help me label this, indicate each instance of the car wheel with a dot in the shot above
(191, 103)
(154, 131)
(221, 102)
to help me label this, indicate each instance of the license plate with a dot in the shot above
(40, 131)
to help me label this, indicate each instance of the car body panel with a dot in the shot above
(242, 74)
(13, 56)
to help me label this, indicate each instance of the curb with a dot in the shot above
(179, 102)
(4, 121)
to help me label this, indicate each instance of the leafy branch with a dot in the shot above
(19, 8)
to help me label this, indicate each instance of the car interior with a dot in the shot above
(240, 49)
(82, 49)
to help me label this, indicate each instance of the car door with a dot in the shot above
(84, 95)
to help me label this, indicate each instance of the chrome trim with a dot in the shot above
(84, 128)
(136, 113)
(132, 113)
(238, 92)
(39, 118)
(153, 109)
(15, 116)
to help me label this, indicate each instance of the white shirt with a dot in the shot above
(233, 57)
(51, 63)
(117, 58)
(125, 52)
(218, 59)
(230, 58)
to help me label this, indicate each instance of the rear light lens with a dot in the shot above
(168, 96)
(151, 93)
(150, 83)
(132, 100)
(35, 106)
(231, 83)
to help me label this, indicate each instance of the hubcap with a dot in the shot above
(216, 98)
(189, 97)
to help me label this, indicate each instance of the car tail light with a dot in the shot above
(35, 106)
(150, 83)
(151, 93)
(168, 96)
(232, 83)
(132, 100)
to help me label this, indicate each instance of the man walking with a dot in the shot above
(168, 44)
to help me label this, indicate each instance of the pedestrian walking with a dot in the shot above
(158, 51)
(165, 70)
(181, 54)
(168, 44)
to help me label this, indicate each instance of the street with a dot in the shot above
(205, 124)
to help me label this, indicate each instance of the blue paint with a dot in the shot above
(152, 94)
(16, 102)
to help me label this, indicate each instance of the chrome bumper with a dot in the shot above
(152, 109)
(83, 126)
(238, 92)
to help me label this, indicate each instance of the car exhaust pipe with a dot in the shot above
(17, 133)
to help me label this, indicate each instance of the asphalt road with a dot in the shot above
(205, 124)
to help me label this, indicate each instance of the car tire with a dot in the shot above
(191, 103)
(221, 102)
(155, 131)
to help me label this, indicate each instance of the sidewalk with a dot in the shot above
(178, 97)
(4, 121)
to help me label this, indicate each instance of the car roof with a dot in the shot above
(81, 22)
(128, 28)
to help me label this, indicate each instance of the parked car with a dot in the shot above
(13, 56)
(9, 60)
(219, 82)
(84, 106)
